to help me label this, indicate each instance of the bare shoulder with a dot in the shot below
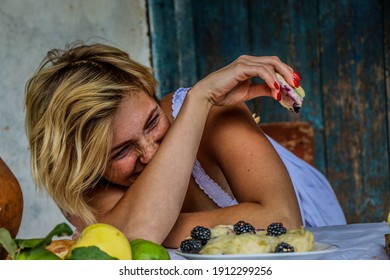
(227, 123)
(166, 105)
(223, 123)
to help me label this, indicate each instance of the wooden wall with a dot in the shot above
(341, 49)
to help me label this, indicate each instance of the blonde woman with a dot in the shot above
(106, 150)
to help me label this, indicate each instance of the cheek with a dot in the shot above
(120, 170)
(162, 129)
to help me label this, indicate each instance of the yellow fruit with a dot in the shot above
(147, 250)
(107, 238)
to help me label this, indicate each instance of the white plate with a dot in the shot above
(320, 249)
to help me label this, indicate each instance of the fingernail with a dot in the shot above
(296, 76)
(296, 83)
(276, 85)
(279, 96)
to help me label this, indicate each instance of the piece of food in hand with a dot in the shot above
(101, 241)
(142, 249)
(291, 98)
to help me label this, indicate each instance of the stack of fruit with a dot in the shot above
(96, 242)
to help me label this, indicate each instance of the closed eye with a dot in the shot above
(126, 149)
(153, 122)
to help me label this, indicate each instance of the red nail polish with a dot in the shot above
(279, 96)
(276, 85)
(296, 84)
(296, 76)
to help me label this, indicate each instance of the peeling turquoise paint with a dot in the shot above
(341, 50)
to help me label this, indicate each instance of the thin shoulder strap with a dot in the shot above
(205, 183)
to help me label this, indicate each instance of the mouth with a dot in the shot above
(135, 175)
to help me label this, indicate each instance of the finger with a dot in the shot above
(268, 75)
(275, 64)
(284, 69)
(287, 72)
(265, 71)
(275, 61)
(291, 77)
(258, 90)
(271, 81)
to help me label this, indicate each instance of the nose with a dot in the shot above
(147, 149)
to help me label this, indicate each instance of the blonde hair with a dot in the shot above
(70, 103)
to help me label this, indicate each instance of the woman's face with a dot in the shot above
(139, 126)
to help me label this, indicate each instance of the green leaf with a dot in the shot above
(89, 253)
(36, 254)
(59, 230)
(28, 243)
(7, 242)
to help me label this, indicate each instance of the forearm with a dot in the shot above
(260, 216)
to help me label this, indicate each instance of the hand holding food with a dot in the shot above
(231, 84)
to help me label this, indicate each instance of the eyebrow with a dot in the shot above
(145, 125)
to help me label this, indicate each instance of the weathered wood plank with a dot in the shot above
(164, 44)
(186, 47)
(226, 29)
(343, 74)
(386, 28)
(289, 30)
(354, 107)
(221, 29)
(172, 44)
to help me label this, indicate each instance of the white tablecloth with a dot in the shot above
(363, 241)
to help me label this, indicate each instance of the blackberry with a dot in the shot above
(284, 247)
(243, 227)
(191, 246)
(201, 233)
(276, 229)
